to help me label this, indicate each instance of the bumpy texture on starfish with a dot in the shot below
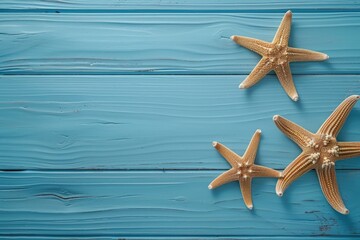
(243, 168)
(276, 56)
(320, 152)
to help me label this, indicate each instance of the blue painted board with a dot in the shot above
(159, 122)
(181, 5)
(168, 203)
(107, 120)
(93, 43)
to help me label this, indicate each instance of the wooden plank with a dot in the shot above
(158, 122)
(168, 43)
(157, 203)
(202, 5)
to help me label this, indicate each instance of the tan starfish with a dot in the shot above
(276, 56)
(243, 168)
(320, 152)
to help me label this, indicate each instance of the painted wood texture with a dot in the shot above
(108, 110)
(158, 122)
(181, 5)
(170, 203)
(139, 43)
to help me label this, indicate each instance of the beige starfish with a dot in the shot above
(243, 168)
(276, 56)
(320, 152)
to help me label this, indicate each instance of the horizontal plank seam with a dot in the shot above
(164, 74)
(137, 170)
(183, 236)
(130, 10)
(171, 75)
(198, 237)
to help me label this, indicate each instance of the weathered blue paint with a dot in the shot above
(83, 43)
(124, 150)
(168, 203)
(157, 122)
(181, 5)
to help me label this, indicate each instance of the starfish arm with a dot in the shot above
(255, 45)
(284, 75)
(263, 67)
(329, 187)
(245, 187)
(283, 33)
(304, 55)
(252, 148)
(224, 178)
(334, 123)
(261, 171)
(301, 165)
(348, 150)
(299, 135)
(232, 158)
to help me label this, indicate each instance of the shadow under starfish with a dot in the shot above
(243, 168)
(320, 152)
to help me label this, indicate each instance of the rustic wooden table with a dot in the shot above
(108, 110)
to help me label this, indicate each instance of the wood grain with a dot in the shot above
(158, 122)
(108, 110)
(79, 43)
(126, 204)
(182, 5)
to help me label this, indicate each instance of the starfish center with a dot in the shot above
(278, 54)
(244, 170)
(323, 150)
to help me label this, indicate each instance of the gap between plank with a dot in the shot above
(163, 74)
(151, 236)
(89, 170)
(156, 11)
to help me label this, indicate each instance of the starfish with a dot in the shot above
(243, 168)
(320, 151)
(277, 55)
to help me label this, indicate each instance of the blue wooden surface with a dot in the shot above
(181, 5)
(158, 122)
(168, 203)
(168, 43)
(108, 109)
